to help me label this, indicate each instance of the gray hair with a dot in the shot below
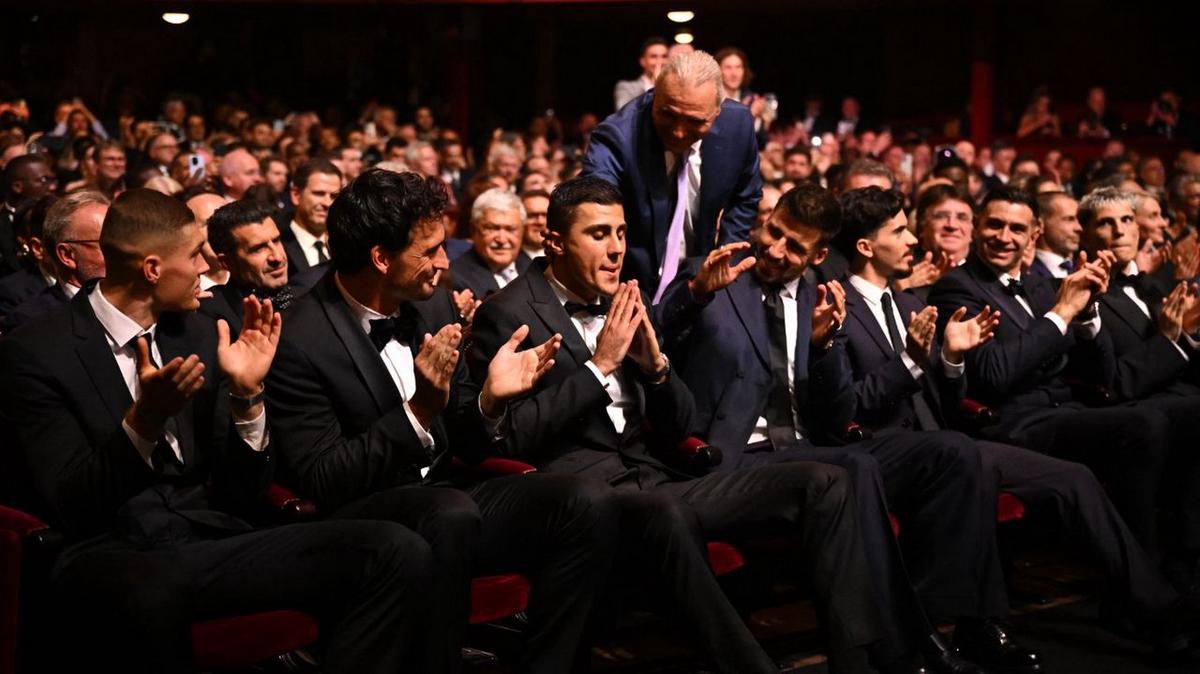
(58, 217)
(694, 69)
(1180, 184)
(1103, 197)
(411, 152)
(496, 199)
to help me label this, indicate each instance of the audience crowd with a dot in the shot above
(202, 302)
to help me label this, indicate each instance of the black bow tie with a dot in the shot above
(1015, 288)
(598, 309)
(401, 327)
(1135, 281)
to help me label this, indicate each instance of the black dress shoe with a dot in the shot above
(988, 644)
(940, 658)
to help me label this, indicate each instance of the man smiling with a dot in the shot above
(497, 228)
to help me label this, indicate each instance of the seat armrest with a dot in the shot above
(977, 414)
(494, 466)
(289, 506)
(854, 432)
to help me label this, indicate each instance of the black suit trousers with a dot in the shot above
(560, 530)
(1181, 480)
(367, 582)
(1087, 518)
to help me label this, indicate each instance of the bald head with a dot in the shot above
(203, 205)
(239, 172)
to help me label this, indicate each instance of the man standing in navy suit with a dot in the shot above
(686, 163)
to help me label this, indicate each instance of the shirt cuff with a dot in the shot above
(1058, 322)
(1180, 349)
(1193, 341)
(953, 370)
(913, 369)
(494, 427)
(254, 431)
(422, 434)
(605, 381)
(142, 445)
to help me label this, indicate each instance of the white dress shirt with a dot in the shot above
(1053, 262)
(790, 324)
(873, 295)
(397, 358)
(306, 240)
(121, 331)
(534, 253)
(688, 240)
(68, 289)
(506, 275)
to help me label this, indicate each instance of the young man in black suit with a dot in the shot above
(369, 417)
(609, 407)
(247, 243)
(148, 468)
(1043, 336)
(314, 187)
(899, 386)
(1155, 333)
(495, 259)
(763, 352)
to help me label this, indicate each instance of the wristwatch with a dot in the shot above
(660, 376)
(253, 400)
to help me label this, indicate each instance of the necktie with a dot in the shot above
(322, 257)
(1067, 266)
(924, 413)
(401, 327)
(781, 424)
(1015, 288)
(163, 459)
(597, 309)
(675, 234)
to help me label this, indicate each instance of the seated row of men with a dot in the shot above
(147, 431)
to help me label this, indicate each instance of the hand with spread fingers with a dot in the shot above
(164, 391)
(963, 334)
(512, 373)
(718, 272)
(922, 327)
(829, 313)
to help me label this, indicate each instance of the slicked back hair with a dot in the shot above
(380, 208)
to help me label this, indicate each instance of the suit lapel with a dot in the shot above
(366, 358)
(712, 151)
(96, 357)
(856, 307)
(746, 297)
(990, 285)
(546, 307)
(1119, 302)
(653, 166)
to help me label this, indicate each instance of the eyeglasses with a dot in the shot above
(83, 242)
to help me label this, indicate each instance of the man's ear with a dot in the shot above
(223, 260)
(380, 259)
(295, 196)
(152, 268)
(863, 246)
(554, 242)
(63, 256)
(819, 256)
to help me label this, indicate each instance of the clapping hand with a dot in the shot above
(245, 362)
(828, 313)
(926, 272)
(963, 334)
(922, 326)
(164, 390)
(512, 373)
(622, 324)
(716, 272)
(434, 368)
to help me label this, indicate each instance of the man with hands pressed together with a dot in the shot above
(894, 393)
(611, 404)
(1153, 328)
(371, 403)
(148, 468)
(764, 352)
(1044, 334)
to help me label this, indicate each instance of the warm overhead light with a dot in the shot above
(684, 38)
(176, 18)
(681, 16)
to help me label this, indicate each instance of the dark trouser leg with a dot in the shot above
(367, 582)
(1182, 484)
(561, 530)
(1084, 513)
(1126, 447)
(661, 538)
(449, 520)
(814, 501)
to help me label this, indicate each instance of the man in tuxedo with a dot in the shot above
(1155, 333)
(653, 56)
(70, 242)
(246, 241)
(763, 353)
(610, 406)
(889, 345)
(369, 417)
(860, 174)
(314, 187)
(497, 227)
(1059, 239)
(26, 179)
(1043, 337)
(140, 430)
(686, 161)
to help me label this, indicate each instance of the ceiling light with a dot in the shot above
(176, 18)
(682, 16)
(684, 38)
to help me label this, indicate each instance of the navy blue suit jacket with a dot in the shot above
(721, 350)
(626, 151)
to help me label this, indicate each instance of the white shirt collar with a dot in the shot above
(1052, 260)
(304, 237)
(362, 313)
(563, 294)
(68, 289)
(1131, 268)
(789, 290)
(870, 292)
(121, 329)
(693, 156)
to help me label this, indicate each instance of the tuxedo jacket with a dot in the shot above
(226, 303)
(35, 307)
(562, 425)
(20, 286)
(64, 400)
(1038, 267)
(721, 349)
(626, 151)
(339, 420)
(470, 272)
(297, 262)
(8, 242)
(883, 384)
(1147, 362)
(1023, 366)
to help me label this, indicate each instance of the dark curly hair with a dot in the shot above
(379, 209)
(231, 216)
(810, 205)
(864, 212)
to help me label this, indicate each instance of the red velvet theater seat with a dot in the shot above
(497, 597)
(230, 643)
